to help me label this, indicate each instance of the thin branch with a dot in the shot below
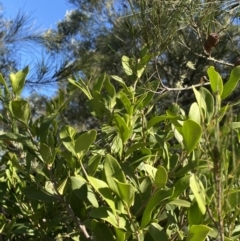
(165, 88)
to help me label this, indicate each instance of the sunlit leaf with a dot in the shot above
(215, 80)
(198, 233)
(194, 113)
(18, 80)
(20, 110)
(123, 129)
(191, 132)
(160, 177)
(103, 189)
(199, 192)
(125, 192)
(231, 84)
(84, 141)
(126, 65)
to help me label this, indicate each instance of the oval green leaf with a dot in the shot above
(198, 233)
(122, 127)
(191, 132)
(194, 113)
(20, 110)
(18, 80)
(125, 192)
(84, 141)
(199, 192)
(126, 65)
(113, 170)
(231, 84)
(103, 189)
(160, 177)
(215, 80)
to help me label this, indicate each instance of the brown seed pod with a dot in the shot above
(237, 62)
(212, 39)
(211, 42)
(207, 48)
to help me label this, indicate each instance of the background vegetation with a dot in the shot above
(141, 141)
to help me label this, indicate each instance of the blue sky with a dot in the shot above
(45, 13)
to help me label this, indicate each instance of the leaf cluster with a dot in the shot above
(140, 176)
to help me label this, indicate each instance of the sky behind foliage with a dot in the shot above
(45, 13)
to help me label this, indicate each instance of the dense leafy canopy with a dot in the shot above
(117, 154)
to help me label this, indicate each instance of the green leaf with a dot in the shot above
(194, 113)
(126, 102)
(180, 203)
(18, 80)
(215, 80)
(122, 127)
(126, 65)
(93, 164)
(120, 234)
(117, 181)
(122, 83)
(62, 186)
(160, 177)
(232, 199)
(136, 146)
(153, 86)
(235, 125)
(84, 141)
(45, 124)
(20, 110)
(142, 64)
(125, 192)
(32, 192)
(102, 232)
(67, 135)
(103, 189)
(181, 185)
(97, 108)
(157, 198)
(99, 83)
(78, 206)
(231, 84)
(209, 100)
(46, 153)
(82, 191)
(191, 132)
(155, 120)
(198, 233)
(3, 82)
(199, 193)
(13, 137)
(157, 232)
(200, 100)
(112, 170)
(195, 216)
(82, 86)
(105, 214)
(109, 87)
(150, 169)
